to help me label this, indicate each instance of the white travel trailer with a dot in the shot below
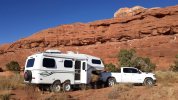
(59, 70)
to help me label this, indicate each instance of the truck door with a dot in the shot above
(83, 74)
(127, 75)
(136, 76)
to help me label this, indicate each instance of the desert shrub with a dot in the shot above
(32, 92)
(144, 64)
(111, 67)
(174, 67)
(125, 57)
(12, 82)
(128, 58)
(13, 66)
(118, 90)
(5, 96)
(166, 77)
(60, 96)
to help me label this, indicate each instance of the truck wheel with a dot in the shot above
(148, 82)
(66, 86)
(56, 86)
(111, 82)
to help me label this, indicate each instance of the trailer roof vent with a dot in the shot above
(70, 52)
(53, 51)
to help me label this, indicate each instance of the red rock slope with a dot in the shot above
(153, 33)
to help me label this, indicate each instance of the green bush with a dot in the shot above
(111, 67)
(144, 64)
(174, 67)
(125, 57)
(13, 66)
(128, 58)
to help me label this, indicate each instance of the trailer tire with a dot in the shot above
(148, 82)
(66, 86)
(111, 82)
(28, 75)
(56, 87)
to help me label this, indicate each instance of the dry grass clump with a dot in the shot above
(11, 82)
(5, 95)
(156, 93)
(32, 92)
(59, 96)
(118, 90)
(124, 92)
(166, 78)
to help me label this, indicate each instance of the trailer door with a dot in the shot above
(83, 74)
(77, 71)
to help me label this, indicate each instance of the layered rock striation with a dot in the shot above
(152, 32)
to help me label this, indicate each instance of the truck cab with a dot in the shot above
(128, 75)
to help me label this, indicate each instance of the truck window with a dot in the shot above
(127, 70)
(130, 70)
(95, 61)
(134, 71)
(30, 62)
(68, 63)
(49, 63)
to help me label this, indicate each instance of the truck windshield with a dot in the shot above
(30, 62)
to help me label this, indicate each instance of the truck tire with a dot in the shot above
(66, 86)
(56, 87)
(28, 75)
(148, 82)
(111, 82)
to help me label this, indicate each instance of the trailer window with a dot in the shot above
(83, 66)
(30, 62)
(68, 63)
(95, 61)
(49, 63)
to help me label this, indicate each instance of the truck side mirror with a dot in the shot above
(139, 72)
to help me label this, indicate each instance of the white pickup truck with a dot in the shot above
(128, 75)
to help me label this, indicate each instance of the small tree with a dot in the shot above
(143, 64)
(174, 67)
(111, 67)
(128, 58)
(125, 57)
(13, 66)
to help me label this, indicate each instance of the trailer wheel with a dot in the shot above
(148, 82)
(66, 86)
(28, 75)
(56, 86)
(111, 82)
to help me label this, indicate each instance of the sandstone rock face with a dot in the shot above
(127, 12)
(152, 33)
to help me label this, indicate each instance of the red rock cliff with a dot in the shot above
(153, 33)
